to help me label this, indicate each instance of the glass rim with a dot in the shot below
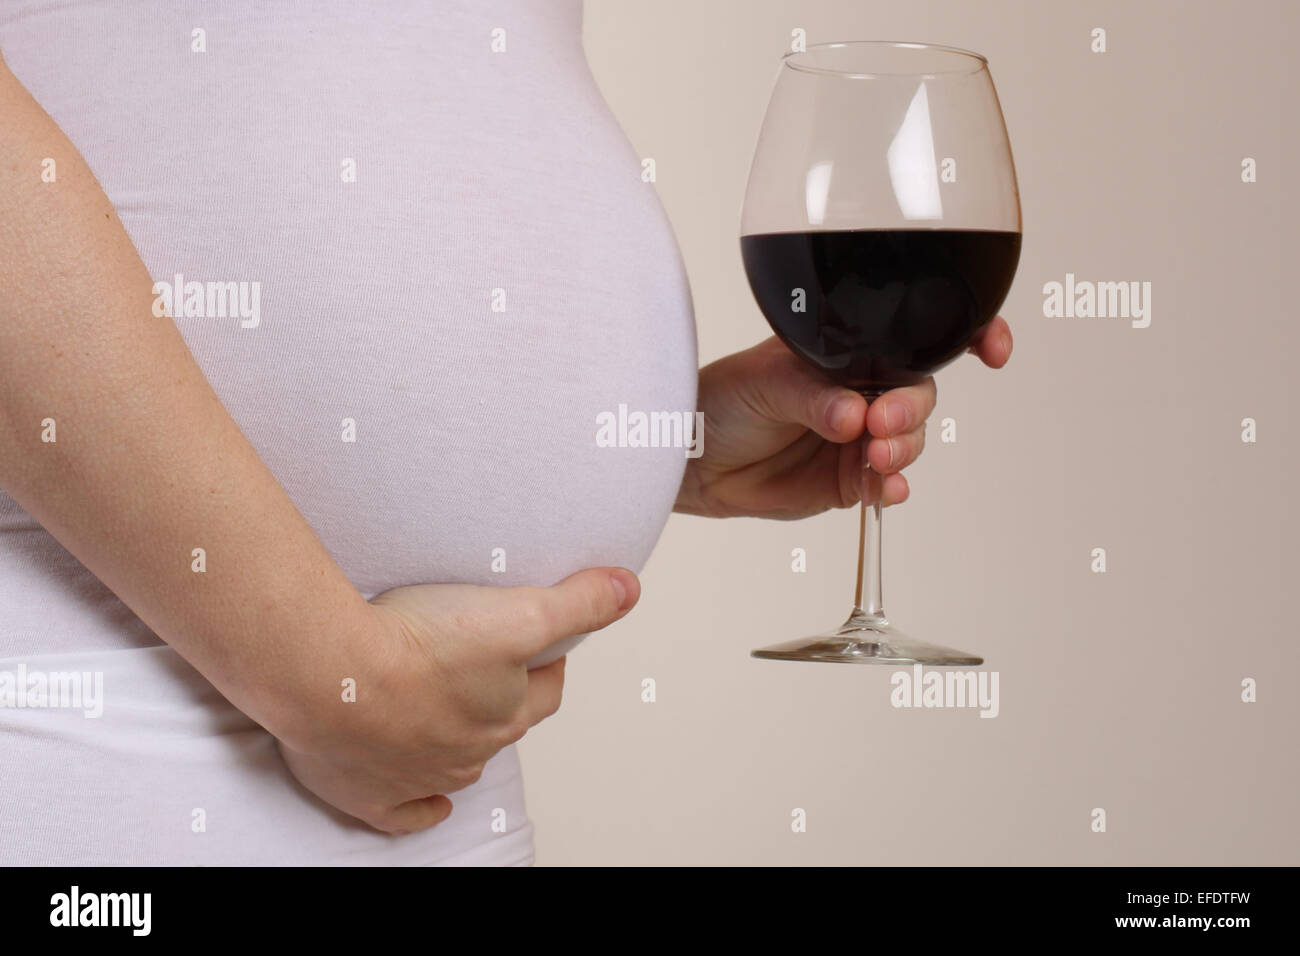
(977, 60)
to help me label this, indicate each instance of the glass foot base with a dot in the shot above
(865, 639)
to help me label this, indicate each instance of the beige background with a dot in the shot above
(1119, 690)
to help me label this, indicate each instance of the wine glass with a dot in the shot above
(881, 232)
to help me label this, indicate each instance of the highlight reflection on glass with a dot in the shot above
(913, 169)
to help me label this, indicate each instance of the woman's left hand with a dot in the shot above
(782, 442)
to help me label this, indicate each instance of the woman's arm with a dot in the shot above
(147, 465)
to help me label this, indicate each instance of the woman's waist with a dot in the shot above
(153, 766)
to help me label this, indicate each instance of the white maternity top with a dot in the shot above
(453, 248)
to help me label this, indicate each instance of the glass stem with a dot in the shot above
(868, 601)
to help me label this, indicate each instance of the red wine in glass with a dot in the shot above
(881, 308)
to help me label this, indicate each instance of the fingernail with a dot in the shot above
(891, 452)
(896, 417)
(1006, 341)
(838, 411)
(621, 590)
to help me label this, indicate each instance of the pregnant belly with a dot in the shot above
(458, 272)
(427, 437)
(431, 397)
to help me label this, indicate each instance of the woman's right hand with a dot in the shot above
(443, 688)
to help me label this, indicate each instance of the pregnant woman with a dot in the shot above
(307, 317)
